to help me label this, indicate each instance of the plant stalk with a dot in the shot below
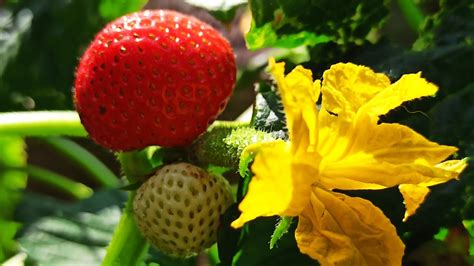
(42, 123)
(128, 246)
(85, 160)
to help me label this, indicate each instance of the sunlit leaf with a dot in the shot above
(288, 23)
(111, 9)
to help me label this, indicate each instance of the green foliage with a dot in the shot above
(268, 112)
(285, 23)
(452, 25)
(12, 29)
(11, 185)
(469, 225)
(57, 233)
(112, 9)
(42, 74)
(223, 10)
(254, 247)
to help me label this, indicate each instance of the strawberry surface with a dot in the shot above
(153, 78)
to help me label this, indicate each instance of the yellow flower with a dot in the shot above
(343, 146)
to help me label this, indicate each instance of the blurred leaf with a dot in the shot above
(469, 225)
(58, 233)
(112, 9)
(11, 185)
(280, 229)
(223, 10)
(289, 23)
(42, 74)
(255, 250)
(228, 238)
(214, 5)
(453, 24)
(268, 112)
(12, 28)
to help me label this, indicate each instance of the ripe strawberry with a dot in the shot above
(178, 208)
(153, 78)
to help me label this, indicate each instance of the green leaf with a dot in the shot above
(61, 30)
(254, 252)
(11, 185)
(469, 225)
(290, 23)
(223, 10)
(451, 25)
(58, 233)
(228, 238)
(280, 229)
(214, 5)
(12, 29)
(112, 9)
(266, 36)
(268, 112)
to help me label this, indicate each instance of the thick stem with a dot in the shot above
(412, 13)
(42, 123)
(128, 246)
(84, 159)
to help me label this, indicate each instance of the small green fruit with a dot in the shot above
(179, 207)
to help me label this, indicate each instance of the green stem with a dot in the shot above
(77, 190)
(41, 123)
(127, 247)
(412, 13)
(84, 159)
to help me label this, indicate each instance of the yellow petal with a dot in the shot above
(346, 87)
(407, 88)
(279, 186)
(339, 230)
(413, 196)
(299, 95)
(386, 155)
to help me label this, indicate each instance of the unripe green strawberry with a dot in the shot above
(178, 208)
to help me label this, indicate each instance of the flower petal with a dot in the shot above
(279, 186)
(339, 230)
(413, 196)
(299, 95)
(386, 155)
(407, 88)
(346, 87)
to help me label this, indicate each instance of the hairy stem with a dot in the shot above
(223, 144)
(42, 123)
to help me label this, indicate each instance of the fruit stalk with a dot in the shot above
(127, 247)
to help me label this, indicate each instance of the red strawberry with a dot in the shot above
(153, 78)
